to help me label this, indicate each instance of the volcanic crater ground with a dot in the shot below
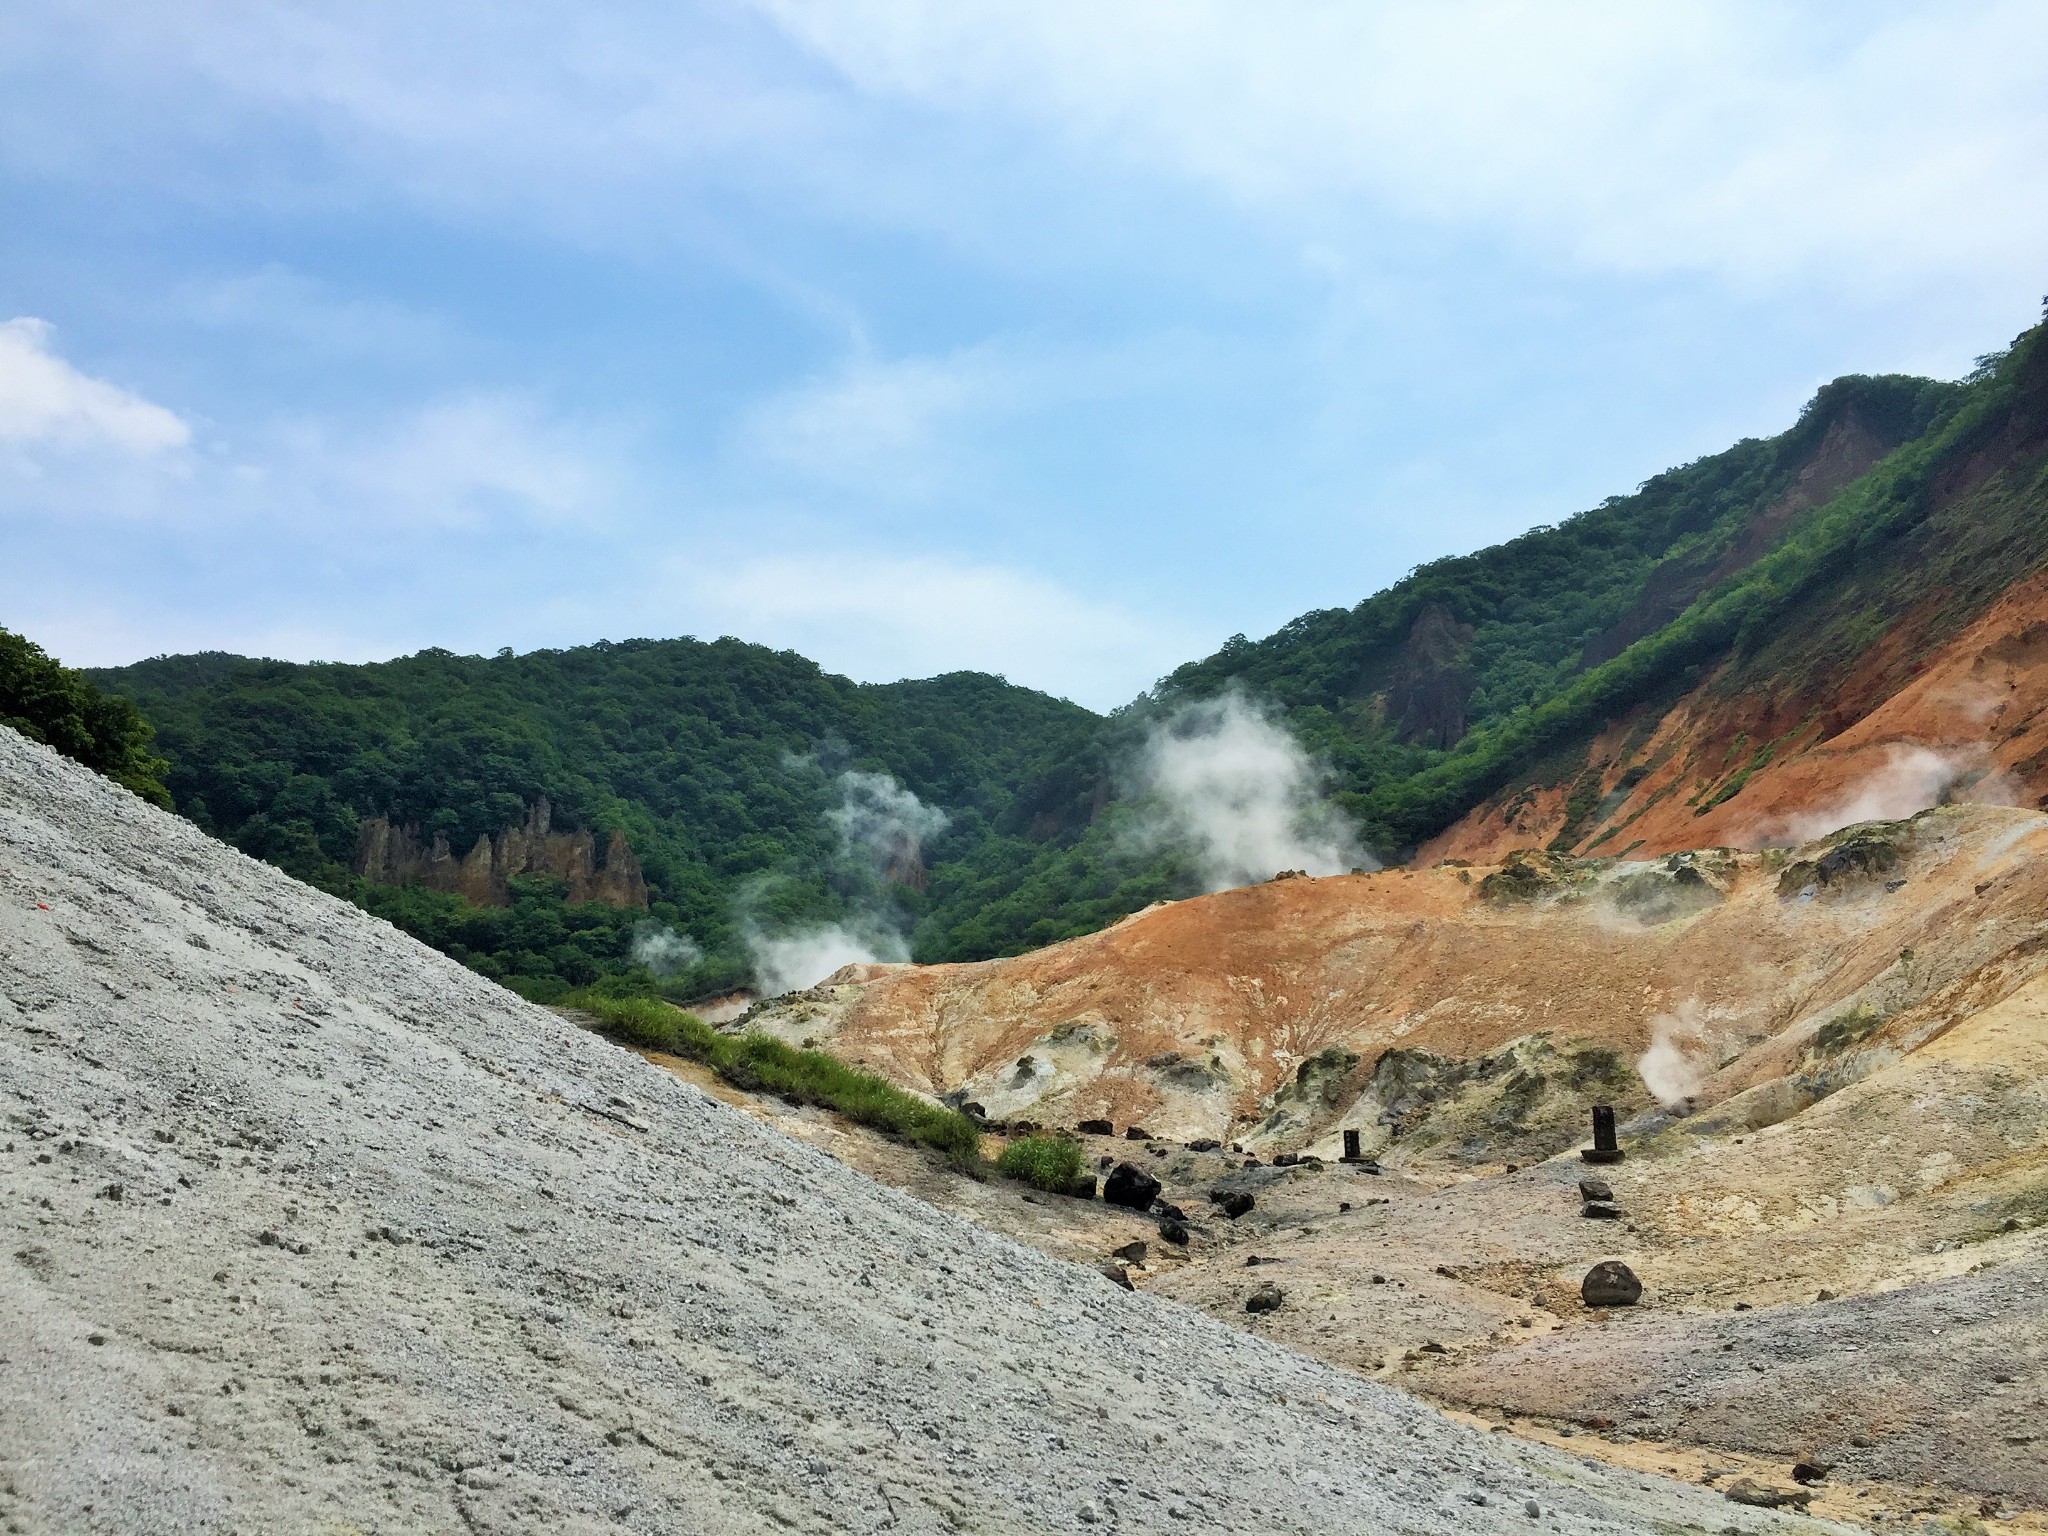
(309, 1229)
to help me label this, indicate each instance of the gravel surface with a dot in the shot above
(308, 1228)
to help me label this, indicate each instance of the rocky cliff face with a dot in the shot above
(392, 855)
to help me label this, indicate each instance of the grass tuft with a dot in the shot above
(1051, 1163)
(762, 1064)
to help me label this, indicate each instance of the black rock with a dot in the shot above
(1600, 1210)
(1082, 1188)
(1595, 1189)
(1285, 1160)
(1172, 1212)
(1173, 1232)
(1130, 1187)
(1204, 1144)
(1234, 1203)
(1095, 1128)
(1130, 1253)
(1137, 1133)
(1266, 1298)
(1610, 1283)
(1810, 1471)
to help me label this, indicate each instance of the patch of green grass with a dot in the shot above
(1051, 1163)
(762, 1064)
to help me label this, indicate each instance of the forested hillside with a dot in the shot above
(720, 762)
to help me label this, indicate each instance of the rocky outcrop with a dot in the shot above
(1431, 682)
(395, 855)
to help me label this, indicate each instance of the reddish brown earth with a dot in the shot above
(1899, 731)
(1197, 1018)
(1842, 1233)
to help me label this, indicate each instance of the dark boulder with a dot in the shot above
(1233, 1202)
(1095, 1128)
(1204, 1144)
(1600, 1210)
(1595, 1189)
(1174, 1232)
(1610, 1283)
(1130, 1187)
(1137, 1133)
(1266, 1298)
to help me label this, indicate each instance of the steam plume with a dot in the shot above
(882, 828)
(664, 951)
(803, 957)
(1674, 1068)
(1228, 783)
(878, 817)
(1911, 779)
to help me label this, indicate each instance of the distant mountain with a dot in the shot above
(1647, 674)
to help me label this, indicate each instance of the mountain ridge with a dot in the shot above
(1894, 513)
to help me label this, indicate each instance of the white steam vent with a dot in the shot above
(1226, 782)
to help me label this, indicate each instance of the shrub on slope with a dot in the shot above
(52, 704)
(760, 1064)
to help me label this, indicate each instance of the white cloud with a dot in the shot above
(474, 458)
(879, 424)
(880, 617)
(44, 400)
(1720, 135)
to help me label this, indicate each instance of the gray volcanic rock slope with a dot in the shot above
(308, 1228)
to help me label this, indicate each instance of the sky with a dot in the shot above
(1043, 337)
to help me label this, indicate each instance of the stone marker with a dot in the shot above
(1352, 1154)
(1610, 1283)
(1605, 1148)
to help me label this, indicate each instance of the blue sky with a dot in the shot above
(1053, 338)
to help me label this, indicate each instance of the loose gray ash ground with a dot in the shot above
(309, 1229)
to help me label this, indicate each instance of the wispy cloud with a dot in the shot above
(44, 400)
(883, 425)
(1720, 135)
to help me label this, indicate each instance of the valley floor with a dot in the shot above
(1736, 1372)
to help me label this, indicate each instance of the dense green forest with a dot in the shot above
(725, 764)
(59, 707)
(721, 762)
